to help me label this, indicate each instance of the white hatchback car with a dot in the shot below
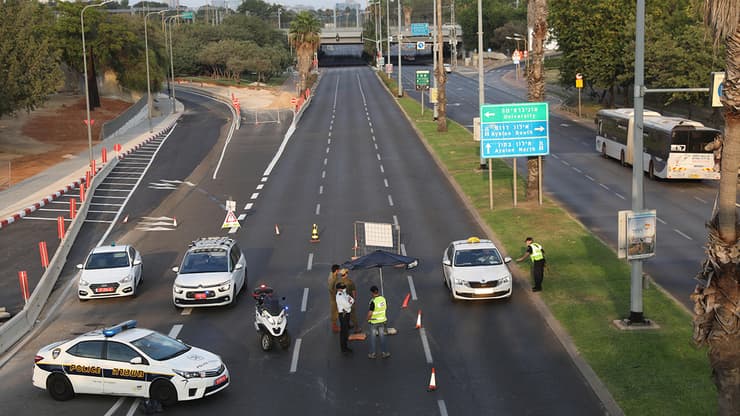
(123, 360)
(110, 271)
(447, 67)
(474, 269)
(212, 273)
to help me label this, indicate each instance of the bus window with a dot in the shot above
(680, 141)
(699, 139)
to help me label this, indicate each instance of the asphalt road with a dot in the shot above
(354, 157)
(594, 189)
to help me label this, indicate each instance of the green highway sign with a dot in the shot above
(499, 113)
(514, 130)
(187, 15)
(422, 80)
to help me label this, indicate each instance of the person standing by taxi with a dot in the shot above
(377, 319)
(344, 307)
(537, 254)
(332, 284)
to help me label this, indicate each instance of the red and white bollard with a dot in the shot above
(93, 168)
(23, 280)
(104, 155)
(72, 208)
(60, 227)
(82, 193)
(44, 254)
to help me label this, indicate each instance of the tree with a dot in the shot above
(717, 297)
(30, 64)
(304, 36)
(537, 18)
(441, 75)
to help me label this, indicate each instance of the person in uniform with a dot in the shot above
(377, 320)
(332, 285)
(537, 254)
(344, 307)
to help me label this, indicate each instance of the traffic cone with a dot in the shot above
(125, 219)
(277, 230)
(315, 234)
(406, 301)
(174, 221)
(432, 382)
(418, 320)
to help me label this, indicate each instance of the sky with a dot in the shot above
(317, 4)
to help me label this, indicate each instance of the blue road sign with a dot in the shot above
(419, 29)
(514, 130)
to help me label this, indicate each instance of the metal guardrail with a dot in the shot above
(111, 127)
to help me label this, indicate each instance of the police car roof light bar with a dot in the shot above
(117, 329)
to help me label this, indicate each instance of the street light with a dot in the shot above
(148, 87)
(400, 79)
(87, 92)
(172, 65)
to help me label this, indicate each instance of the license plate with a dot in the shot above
(220, 380)
(200, 295)
(105, 289)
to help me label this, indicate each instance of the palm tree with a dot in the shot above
(537, 18)
(304, 36)
(717, 297)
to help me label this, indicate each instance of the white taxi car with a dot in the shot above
(110, 271)
(474, 269)
(212, 273)
(127, 361)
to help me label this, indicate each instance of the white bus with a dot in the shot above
(673, 147)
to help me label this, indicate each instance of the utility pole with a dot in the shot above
(434, 60)
(453, 37)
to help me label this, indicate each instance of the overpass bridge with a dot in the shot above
(355, 36)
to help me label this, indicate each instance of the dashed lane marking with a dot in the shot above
(296, 352)
(304, 302)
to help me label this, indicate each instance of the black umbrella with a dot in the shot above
(379, 259)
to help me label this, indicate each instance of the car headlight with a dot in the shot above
(224, 287)
(506, 279)
(188, 374)
(127, 278)
(177, 289)
(84, 282)
(462, 282)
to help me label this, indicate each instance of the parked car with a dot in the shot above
(475, 269)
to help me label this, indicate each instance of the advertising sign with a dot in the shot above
(637, 234)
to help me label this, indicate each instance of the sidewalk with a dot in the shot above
(30, 194)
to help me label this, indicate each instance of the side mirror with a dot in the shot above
(79, 266)
(238, 266)
(507, 259)
(135, 360)
(137, 262)
(446, 262)
(175, 269)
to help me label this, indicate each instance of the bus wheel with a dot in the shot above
(651, 171)
(621, 159)
(603, 150)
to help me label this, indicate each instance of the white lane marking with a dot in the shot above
(304, 302)
(175, 331)
(376, 146)
(323, 174)
(395, 221)
(296, 352)
(682, 234)
(442, 407)
(371, 129)
(95, 221)
(229, 135)
(328, 141)
(377, 155)
(264, 179)
(412, 288)
(254, 195)
(232, 230)
(563, 161)
(310, 261)
(331, 126)
(403, 249)
(576, 169)
(248, 206)
(318, 208)
(661, 221)
(385, 182)
(241, 217)
(425, 344)
(700, 200)
(590, 178)
(390, 200)
(115, 406)
(326, 161)
(133, 407)
(604, 186)
(382, 170)
(555, 156)
(619, 195)
(321, 189)
(327, 149)
(260, 186)
(186, 311)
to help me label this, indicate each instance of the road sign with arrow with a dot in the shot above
(514, 130)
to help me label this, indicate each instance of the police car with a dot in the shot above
(124, 360)
(475, 269)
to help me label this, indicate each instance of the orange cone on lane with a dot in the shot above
(432, 382)
(418, 320)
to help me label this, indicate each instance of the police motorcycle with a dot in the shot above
(270, 319)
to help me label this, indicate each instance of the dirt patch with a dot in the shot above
(32, 142)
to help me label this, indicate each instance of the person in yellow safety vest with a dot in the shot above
(377, 319)
(537, 254)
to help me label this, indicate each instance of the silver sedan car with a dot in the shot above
(475, 269)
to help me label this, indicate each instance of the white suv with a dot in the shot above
(212, 273)
(474, 269)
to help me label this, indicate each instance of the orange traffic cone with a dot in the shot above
(174, 221)
(277, 230)
(406, 301)
(418, 320)
(125, 219)
(432, 382)
(315, 234)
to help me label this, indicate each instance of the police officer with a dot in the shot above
(377, 319)
(537, 254)
(344, 307)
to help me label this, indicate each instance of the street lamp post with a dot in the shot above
(388, 29)
(87, 88)
(146, 51)
(172, 65)
(400, 79)
(434, 56)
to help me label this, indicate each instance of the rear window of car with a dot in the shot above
(107, 260)
(205, 261)
(478, 257)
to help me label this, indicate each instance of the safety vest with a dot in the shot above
(536, 252)
(378, 316)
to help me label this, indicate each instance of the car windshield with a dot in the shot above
(478, 257)
(160, 347)
(205, 261)
(107, 260)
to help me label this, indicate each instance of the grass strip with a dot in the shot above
(657, 372)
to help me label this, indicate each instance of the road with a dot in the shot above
(594, 189)
(354, 157)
